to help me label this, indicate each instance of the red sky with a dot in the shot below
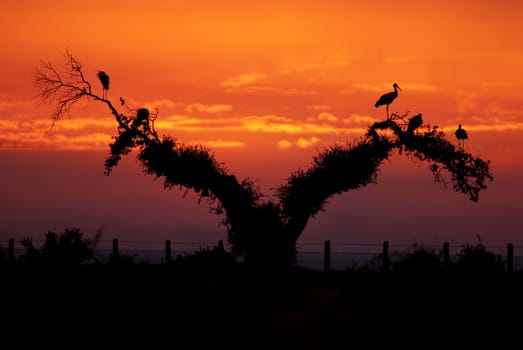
(265, 85)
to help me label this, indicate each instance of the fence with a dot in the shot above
(381, 256)
(321, 258)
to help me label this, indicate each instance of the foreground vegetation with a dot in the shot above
(209, 299)
(69, 248)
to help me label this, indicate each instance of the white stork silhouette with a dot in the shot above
(461, 135)
(387, 98)
(414, 123)
(104, 79)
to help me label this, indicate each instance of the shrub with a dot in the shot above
(66, 248)
(420, 260)
(475, 258)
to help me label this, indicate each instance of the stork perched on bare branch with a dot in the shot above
(104, 79)
(387, 98)
(461, 135)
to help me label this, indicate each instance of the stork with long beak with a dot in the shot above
(387, 98)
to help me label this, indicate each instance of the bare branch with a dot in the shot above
(74, 68)
(63, 92)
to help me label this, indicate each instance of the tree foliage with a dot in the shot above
(261, 230)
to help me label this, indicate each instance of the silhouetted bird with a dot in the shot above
(142, 117)
(461, 135)
(414, 123)
(387, 98)
(122, 101)
(104, 79)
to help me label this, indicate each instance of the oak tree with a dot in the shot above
(260, 230)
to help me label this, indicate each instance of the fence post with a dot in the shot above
(116, 251)
(327, 256)
(11, 250)
(510, 257)
(168, 257)
(386, 258)
(446, 255)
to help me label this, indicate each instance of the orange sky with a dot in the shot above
(282, 73)
(273, 79)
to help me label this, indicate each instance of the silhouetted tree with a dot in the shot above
(258, 229)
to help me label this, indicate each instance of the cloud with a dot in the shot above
(243, 80)
(466, 102)
(6, 125)
(187, 107)
(282, 91)
(359, 119)
(496, 127)
(300, 142)
(306, 143)
(372, 87)
(163, 103)
(202, 108)
(284, 144)
(6, 104)
(95, 133)
(78, 124)
(385, 87)
(235, 128)
(327, 125)
(271, 124)
(502, 111)
(317, 107)
(324, 123)
(324, 116)
(193, 124)
(483, 124)
(279, 124)
(26, 132)
(80, 142)
(257, 83)
(9, 103)
(39, 140)
(421, 87)
(220, 143)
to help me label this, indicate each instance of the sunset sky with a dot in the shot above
(265, 85)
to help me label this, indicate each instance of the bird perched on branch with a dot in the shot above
(461, 135)
(142, 118)
(104, 79)
(387, 98)
(414, 123)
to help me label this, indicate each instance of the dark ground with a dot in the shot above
(171, 306)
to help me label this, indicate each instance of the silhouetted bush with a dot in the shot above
(122, 259)
(475, 258)
(66, 248)
(207, 257)
(421, 260)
